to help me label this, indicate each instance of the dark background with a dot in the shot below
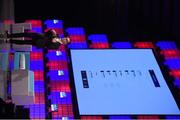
(119, 19)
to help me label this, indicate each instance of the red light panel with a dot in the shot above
(148, 117)
(38, 75)
(78, 38)
(63, 110)
(60, 86)
(144, 45)
(39, 98)
(175, 73)
(34, 23)
(170, 53)
(91, 118)
(99, 45)
(36, 55)
(57, 65)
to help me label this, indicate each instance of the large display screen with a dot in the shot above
(120, 82)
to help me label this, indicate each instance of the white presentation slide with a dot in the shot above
(120, 82)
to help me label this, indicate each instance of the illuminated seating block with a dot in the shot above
(170, 54)
(3, 84)
(119, 117)
(77, 45)
(121, 45)
(177, 83)
(172, 63)
(91, 118)
(34, 23)
(144, 45)
(19, 28)
(36, 65)
(57, 55)
(37, 29)
(99, 45)
(22, 87)
(165, 45)
(75, 31)
(94, 38)
(58, 75)
(54, 23)
(78, 38)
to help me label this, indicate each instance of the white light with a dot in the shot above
(64, 118)
(62, 94)
(58, 53)
(22, 62)
(55, 21)
(60, 72)
(54, 107)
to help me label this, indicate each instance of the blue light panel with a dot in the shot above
(54, 23)
(77, 45)
(119, 117)
(98, 38)
(55, 98)
(173, 63)
(121, 45)
(173, 117)
(37, 29)
(37, 111)
(35, 49)
(75, 31)
(36, 65)
(166, 45)
(39, 86)
(55, 56)
(177, 83)
(53, 75)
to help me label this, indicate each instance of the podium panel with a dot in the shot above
(22, 87)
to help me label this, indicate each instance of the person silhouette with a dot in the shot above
(49, 39)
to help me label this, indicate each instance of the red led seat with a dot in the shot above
(35, 23)
(59, 86)
(38, 75)
(99, 45)
(57, 65)
(148, 117)
(39, 98)
(144, 45)
(78, 38)
(36, 56)
(91, 118)
(175, 73)
(63, 110)
(170, 53)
